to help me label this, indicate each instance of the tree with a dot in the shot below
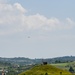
(46, 73)
(71, 69)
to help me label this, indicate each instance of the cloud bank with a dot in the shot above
(13, 19)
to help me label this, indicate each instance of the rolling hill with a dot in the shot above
(45, 70)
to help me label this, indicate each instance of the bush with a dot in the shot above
(46, 73)
(71, 69)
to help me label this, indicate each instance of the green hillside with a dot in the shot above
(65, 66)
(45, 70)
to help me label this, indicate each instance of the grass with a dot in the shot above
(65, 66)
(61, 65)
(43, 69)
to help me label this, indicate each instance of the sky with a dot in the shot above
(37, 28)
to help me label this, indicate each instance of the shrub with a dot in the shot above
(71, 69)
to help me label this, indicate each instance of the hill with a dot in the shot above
(28, 61)
(45, 70)
(65, 66)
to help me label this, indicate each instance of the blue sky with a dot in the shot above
(37, 29)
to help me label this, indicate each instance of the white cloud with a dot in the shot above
(1, 1)
(19, 7)
(13, 19)
(4, 1)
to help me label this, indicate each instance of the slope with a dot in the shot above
(45, 70)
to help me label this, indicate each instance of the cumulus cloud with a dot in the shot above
(13, 19)
(3, 1)
(19, 7)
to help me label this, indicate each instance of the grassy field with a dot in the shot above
(62, 66)
(45, 70)
(65, 66)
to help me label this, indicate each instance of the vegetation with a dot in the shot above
(15, 66)
(71, 70)
(65, 66)
(45, 70)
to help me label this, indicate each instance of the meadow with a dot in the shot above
(45, 70)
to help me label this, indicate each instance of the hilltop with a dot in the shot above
(44, 70)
